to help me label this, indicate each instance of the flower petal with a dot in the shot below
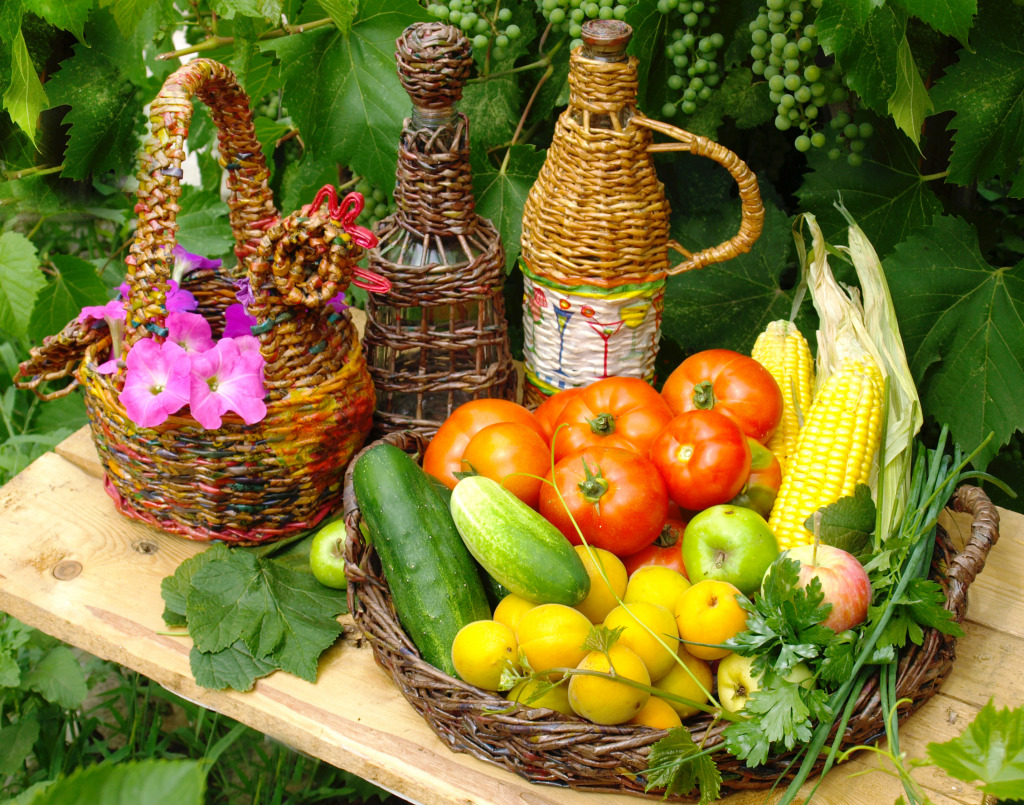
(237, 322)
(178, 299)
(190, 262)
(190, 331)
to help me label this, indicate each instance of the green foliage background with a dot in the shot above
(938, 192)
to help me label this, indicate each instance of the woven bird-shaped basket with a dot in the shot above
(240, 483)
(544, 746)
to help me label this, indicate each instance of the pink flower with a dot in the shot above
(226, 378)
(178, 299)
(337, 302)
(237, 322)
(190, 331)
(113, 310)
(156, 383)
(243, 291)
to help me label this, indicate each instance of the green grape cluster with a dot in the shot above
(692, 52)
(850, 138)
(568, 16)
(376, 205)
(785, 50)
(485, 22)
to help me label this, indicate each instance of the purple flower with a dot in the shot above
(337, 302)
(125, 290)
(226, 378)
(178, 299)
(186, 261)
(113, 310)
(237, 322)
(243, 291)
(190, 331)
(156, 383)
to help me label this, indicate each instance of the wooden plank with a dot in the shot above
(55, 514)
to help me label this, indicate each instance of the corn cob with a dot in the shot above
(782, 349)
(834, 451)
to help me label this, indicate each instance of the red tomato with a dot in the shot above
(666, 550)
(621, 412)
(615, 496)
(730, 383)
(547, 412)
(763, 482)
(443, 455)
(704, 458)
(514, 455)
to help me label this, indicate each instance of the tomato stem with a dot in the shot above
(602, 424)
(593, 486)
(704, 395)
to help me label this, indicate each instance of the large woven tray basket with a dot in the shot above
(244, 484)
(544, 746)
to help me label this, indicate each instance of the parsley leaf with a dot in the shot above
(678, 765)
(990, 749)
(922, 604)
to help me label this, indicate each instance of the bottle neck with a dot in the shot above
(423, 118)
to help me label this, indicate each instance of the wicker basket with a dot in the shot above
(244, 484)
(544, 746)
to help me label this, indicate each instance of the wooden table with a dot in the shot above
(71, 566)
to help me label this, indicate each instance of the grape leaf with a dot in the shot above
(985, 91)
(989, 750)
(962, 322)
(68, 15)
(841, 22)
(128, 14)
(848, 522)
(869, 61)
(301, 179)
(492, 107)
(952, 17)
(232, 667)
(909, 103)
(341, 12)
(10, 20)
(20, 283)
(203, 226)
(501, 193)
(677, 765)
(650, 27)
(281, 615)
(58, 678)
(174, 588)
(24, 97)
(728, 304)
(229, 9)
(886, 194)
(63, 297)
(143, 782)
(103, 114)
(342, 90)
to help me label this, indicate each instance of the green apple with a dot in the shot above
(736, 681)
(327, 555)
(729, 543)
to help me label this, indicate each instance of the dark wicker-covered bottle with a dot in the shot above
(439, 338)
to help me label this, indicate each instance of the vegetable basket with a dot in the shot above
(240, 483)
(544, 746)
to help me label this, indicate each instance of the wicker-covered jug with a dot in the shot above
(596, 222)
(439, 338)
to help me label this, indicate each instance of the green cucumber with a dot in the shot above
(495, 590)
(516, 545)
(434, 582)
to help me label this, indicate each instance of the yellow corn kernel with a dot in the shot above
(834, 452)
(782, 349)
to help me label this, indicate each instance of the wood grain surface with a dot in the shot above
(71, 566)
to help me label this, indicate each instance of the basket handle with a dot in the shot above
(250, 199)
(967, 564)
(752, 210)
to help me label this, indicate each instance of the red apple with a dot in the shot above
(843, 580)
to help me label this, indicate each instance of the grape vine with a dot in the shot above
(568, 16)
(692, 49)
(486, 22)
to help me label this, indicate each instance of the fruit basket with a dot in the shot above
(546, 747)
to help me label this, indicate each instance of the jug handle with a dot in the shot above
(752, 210)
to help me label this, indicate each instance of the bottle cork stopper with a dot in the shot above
(605, 40)
(434, 61)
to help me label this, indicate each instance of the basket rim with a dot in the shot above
(612, 759)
